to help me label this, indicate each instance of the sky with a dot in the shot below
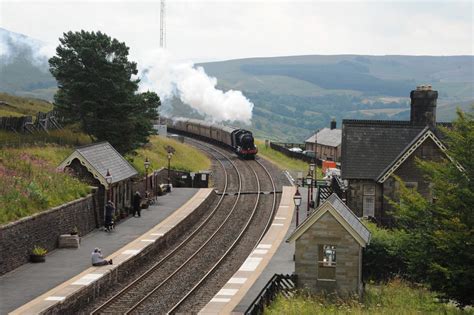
(221, 30)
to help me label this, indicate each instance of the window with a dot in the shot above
(368, 201)
(327, 262)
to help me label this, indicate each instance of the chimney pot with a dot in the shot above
(333, 124)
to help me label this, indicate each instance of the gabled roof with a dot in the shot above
(342, 214)
(327, 136)
(369, 146)
(100, 157)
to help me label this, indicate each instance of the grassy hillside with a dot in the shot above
(396, 297)
(294, 96)
(185, 158)
(11, 105)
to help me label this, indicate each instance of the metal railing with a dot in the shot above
(278, 284)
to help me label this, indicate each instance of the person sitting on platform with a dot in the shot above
(98, 259)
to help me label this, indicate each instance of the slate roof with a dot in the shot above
(100, 157)
(369, 146)
(352, 223)
(327, 136)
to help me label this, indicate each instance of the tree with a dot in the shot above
(97, 89)
(439, 249)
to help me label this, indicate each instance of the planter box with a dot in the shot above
(69, 241)
(37, 258)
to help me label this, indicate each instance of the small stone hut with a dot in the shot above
(91, 163)
(328, 249)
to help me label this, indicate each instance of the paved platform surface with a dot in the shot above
(31, 280)
(281, 262)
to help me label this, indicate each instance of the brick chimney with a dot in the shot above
(333, 124)
(423, 106)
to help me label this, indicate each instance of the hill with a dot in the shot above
(294, 96)
(11, 105)
(24, 66)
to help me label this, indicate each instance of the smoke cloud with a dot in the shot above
(171, 78)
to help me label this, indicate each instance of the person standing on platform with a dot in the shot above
(109, 214)
(137, 200)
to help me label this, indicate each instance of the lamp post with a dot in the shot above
(312, 168)
(170, 155)
(108, 179)
(297, 201)
(147, 165)
(309, 179)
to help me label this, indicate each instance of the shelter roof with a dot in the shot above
(326, 136)
(342, 214)
(100, 157)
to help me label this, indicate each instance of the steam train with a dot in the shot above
(239, 140)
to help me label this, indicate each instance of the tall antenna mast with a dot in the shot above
(162, 25)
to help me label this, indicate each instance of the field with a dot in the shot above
(31, 183)
(283, 161)
(185, 157)
(396, 297)
(19, 106)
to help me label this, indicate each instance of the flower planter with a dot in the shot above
(37, 258)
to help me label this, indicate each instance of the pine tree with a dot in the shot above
(98, 90)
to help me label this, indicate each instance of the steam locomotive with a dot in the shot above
(239, 140)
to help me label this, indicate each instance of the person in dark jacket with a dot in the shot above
(109, 214)
(137, 200)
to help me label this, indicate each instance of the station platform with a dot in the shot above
(22, 289)
(271, 256)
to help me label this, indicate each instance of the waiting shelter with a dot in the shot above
(328, 249)
(102, 166)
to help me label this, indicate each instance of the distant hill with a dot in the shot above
(11, 105)
(24, 66)
(294, 96)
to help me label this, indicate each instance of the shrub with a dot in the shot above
(39, 251)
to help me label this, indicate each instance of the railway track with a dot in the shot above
(160, 289)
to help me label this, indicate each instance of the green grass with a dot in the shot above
(185, 158)
(283, 161)
(395, 297)
(19, 106)
(65, 136)
(31, 183)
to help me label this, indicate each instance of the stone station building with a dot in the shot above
(328, 249)
(375, 150)
(91, 163)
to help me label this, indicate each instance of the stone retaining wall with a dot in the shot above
(18, 238)
(75, 303)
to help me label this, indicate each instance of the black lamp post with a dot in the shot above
(170, 155)
(312, 168)
(297, 201)
(308, 183)
(108, 179)
(147, 165)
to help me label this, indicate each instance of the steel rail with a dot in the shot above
(270, 219)
(122, 292)
(141, 301)
(217, 264)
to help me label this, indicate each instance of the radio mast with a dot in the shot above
(162, 25)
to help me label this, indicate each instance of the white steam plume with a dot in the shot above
(168, 78)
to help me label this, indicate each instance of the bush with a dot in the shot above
(39, 251)
(383, 257)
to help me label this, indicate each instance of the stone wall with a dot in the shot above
(328, 231)
(18, 238)
(355, 196)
